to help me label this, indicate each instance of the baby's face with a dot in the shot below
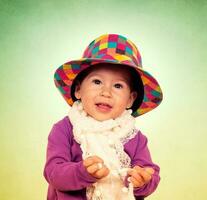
(105, 92)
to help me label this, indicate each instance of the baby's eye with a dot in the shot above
(118, 85)
(96, 81)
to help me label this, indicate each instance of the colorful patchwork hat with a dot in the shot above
(114, 49)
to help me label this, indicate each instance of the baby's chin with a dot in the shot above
(100, 117)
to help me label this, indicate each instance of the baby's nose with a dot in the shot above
(106, 91)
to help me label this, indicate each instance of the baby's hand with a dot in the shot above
(139, 176)
(95, 166)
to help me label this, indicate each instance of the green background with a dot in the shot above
(38, 36)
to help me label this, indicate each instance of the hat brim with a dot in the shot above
(66, 73)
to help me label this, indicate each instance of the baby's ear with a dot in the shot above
(77, 91)
(132, 98)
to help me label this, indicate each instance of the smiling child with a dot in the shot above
(96, 152)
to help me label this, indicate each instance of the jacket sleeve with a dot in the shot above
(141, 157)
(60, 171)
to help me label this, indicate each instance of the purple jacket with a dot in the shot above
(64, 170)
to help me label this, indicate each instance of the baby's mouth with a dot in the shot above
(104, 107)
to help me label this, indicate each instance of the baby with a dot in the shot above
(95, 152)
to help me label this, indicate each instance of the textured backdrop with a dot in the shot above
(38, 36)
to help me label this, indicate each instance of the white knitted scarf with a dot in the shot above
(105, 139)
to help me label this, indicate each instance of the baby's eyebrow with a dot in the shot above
(121, 81)
(126, 81)
(91, 75)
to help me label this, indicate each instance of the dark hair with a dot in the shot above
(135, 84)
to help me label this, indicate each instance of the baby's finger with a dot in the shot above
(104, 171)
(91, 160)
(138, 169)
(150, 170)
(93, 168)
(97, 159)
(87, 162)
(135, 182)
(146, 176)
(136, 175)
